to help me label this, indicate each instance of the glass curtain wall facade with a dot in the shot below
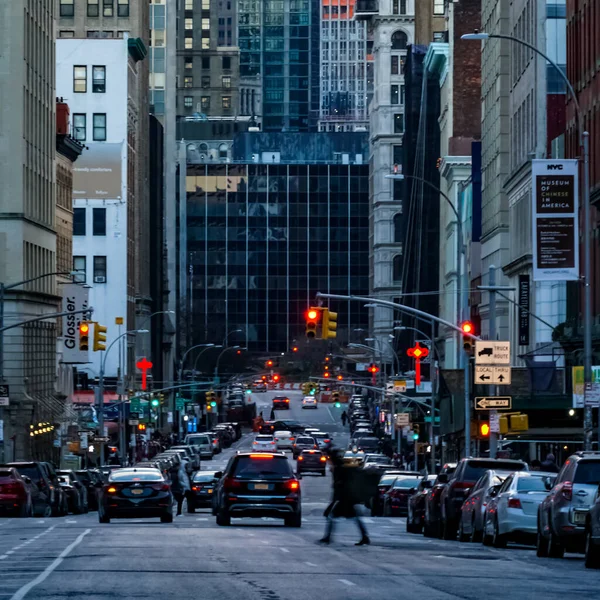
(157, 56)
(263, 239)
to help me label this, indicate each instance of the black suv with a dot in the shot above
(467, 473)
(281, 403)
(258, 484)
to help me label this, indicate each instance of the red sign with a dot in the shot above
(144, 365)
(418, 352)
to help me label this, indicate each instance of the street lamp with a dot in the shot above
(182, 361)
(231, 333)
(584, 143)
(216, 380)
(209, 346)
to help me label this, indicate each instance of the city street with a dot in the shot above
(76, 557)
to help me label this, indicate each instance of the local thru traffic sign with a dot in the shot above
(493, 402)
(485, 375)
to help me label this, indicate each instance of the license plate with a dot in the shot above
(579, 518)
(209, 491)
(261, 486)
(137, 492)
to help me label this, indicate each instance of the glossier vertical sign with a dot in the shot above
(554, 196)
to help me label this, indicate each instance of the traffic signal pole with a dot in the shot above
(492, 336)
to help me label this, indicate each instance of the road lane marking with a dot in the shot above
(367, 520)
(285, 550)
(310, 564)
(346, 582)
(23, 591)
(263, 542)
(202, 519)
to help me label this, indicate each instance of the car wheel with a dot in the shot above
(223, 519)
(592, 552)
(47, 512)
(499, 540)
(168, 518)
(541, 545)
(555, 548)
(103, 518)
(462, 537)
(374, 510)
(294, 521)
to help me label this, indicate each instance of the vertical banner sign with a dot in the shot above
(554, 197)
(75, 297)
(524, 303)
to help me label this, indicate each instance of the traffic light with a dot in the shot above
(326, 374)
(335, 398)
(484, 430)
(84, 336)
(155, 403)
(275, 378)
(295, 349)
(519, 422)
(269, 363)
(141, 426)
(468, 328)
(340, 377)
(416, 431)
(329, 326)
(312, 320)
(99, 337)
(211, 399)
(373, 369)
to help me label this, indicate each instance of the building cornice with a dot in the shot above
(69, 147)
(436, 60)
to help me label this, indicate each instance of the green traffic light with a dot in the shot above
(213, 403)
(312, 392)
(415, 436)
(337, 405)
(248, 391)
(155, 403)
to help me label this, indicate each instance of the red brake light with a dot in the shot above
(276, 439)
(293, 484)
(323, 459)
(462, 485)
(292, 439)
(267, 456)
(300, 458)
(567, 490)
(196, 488)
(326, 441)
(231, 484)
(161, 487)
(14, 487)
(514, 503)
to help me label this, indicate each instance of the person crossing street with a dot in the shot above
(344, 418)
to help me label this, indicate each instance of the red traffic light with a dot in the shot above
(239, 352)
(467, 327)
(295, 349)
(326, 374)
(340, 377)
(373, 369)
(84, 328)
(312, 315)
(275, 377)
(269, 363)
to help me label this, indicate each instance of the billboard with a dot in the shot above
(75, 297)
(555, 240)
(97, 173)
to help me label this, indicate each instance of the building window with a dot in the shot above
(205, 103)
(205, 43)
(79, 265)
(108, 8)
(206, 24)
(399, 123)
(99, 221)
(226, 102)
(189, 43)
(439, 7)
(79, 221)
(402, 93)
(399, 7)
(205, 81)
(188, 82)
(66, 34)
(189, 4)
(395, 94)
(397, 190)
(206, 62)
(67, 8)
(205, 4)
(397, 268)
(79, 79)
(399, 40)
(92, 8)
(123, 8)
(188, 101)
(397, 155)
(99, 127)
(398, 227)
(79, 126)
(226, 82)
(189, 62)
(226, 63)
(189, 24)
(99, 269)
(100, 34)
(439, 36)
(395, 63)
(98, 80)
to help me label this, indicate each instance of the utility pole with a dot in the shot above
(492, 319)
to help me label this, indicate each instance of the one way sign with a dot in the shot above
(492, 375)
(493, 402)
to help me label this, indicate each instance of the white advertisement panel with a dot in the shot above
(555, 223)
(75, 297)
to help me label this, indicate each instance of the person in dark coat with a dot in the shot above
(272, 415)
(549, 465)
(342, 505)
(180, 486)
(344, 418)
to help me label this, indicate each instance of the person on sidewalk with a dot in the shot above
(180, 486)
(549, 465)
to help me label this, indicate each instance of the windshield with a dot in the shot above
(475, 469)
(320, 436)
(199, 440)
(264, 438)
(135, 476)
(587, 472)
(387, 479)
(381, 460)
(532, 484)
(30, 472)
(406, 483)
(305, 440)
(200, 477)
(268, 467)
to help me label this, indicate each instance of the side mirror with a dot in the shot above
(443, 478)
(494, 491)
(548, 483)
(427, 484)
(26, 479)
(218, 474)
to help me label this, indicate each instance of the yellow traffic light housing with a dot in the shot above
(312, 321)
(329, 326)
(503, 424)
(99, 337)
(519, 422)
(84, 336)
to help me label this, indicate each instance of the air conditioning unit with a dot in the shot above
(99, 279)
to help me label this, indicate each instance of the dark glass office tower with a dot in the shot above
(262, 239)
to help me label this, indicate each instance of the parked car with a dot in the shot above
(432, 524)
(395, 500)
(288, 425)
(311, 461)
(467, 473)
(61, 500)
(322, 438)
(303, 442)
(192, 454)
(225, 436)
(473, 511)
(188, 465)
(592, 534)
(237, 430)
(203, 442)
(511, 514)
(380, 461)
(203, 487)
(76, 491)
(368, 444)
(216, 441)
(416, 506)
(385, 483)
(48, 502)
(563, 514)
(15, 493)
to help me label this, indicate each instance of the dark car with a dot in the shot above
(203, 487)
(15, 493)
(62, 503)
(467, 473)
(237, 428)
(49, 498)
(432, 525)
(268, 427)
(303, 442)
(225, 436)
(370, 445)
(93, 481)
(76, 491)
(395, 500)
(592, 535)
(416, 506)
(385, 482)
(136, 493)
(281, 403)
(288, 425)
(258, 485)
(311, 461)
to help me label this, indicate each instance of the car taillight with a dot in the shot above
(300, 458)
(161, 487)
(231, 484)
(326, 441)
(111, 490)
(323, 458)
(276, 439)
(514, 503)
(292, 439)
(196, 488)
(567, 490)
(292, 484)
(461, 485)
(14, 487)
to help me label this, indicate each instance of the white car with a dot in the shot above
(309, 402)
(311, 430)
(284, 439)
(321, 438)
(264, 443)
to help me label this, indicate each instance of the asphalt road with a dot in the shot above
(76, 557)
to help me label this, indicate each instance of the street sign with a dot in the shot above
(179, 403)
(492, 375)
(492, 353)
(134, 421)
(400, 385)
(428, 420)
(134, 406)
(402, 419)
(494, 423)
(4, 395)
(494, 402)
(101, 440)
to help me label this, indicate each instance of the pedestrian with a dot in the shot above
(397, 460)
(272, 415)
(342, 504)
(180, 486)
(536, 465)
(549, 465)
(344, 418)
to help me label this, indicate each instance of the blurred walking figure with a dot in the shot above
(180, 486)
(344, 418)
(342, 505)
(272, 416)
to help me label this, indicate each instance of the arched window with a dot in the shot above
(399, 40)
(397, 268)
(223, 151)
(398, 228)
